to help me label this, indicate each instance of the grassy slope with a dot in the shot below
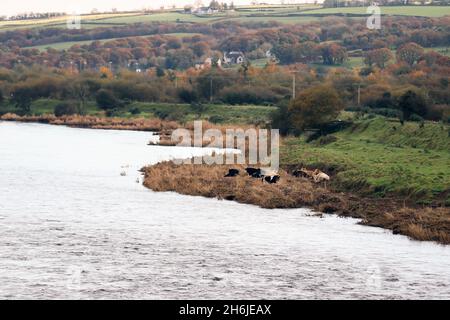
(375, 159)
(262, 13)
(69, 44)
(425, 11)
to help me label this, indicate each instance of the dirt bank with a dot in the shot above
(426, 224)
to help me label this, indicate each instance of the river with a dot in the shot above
(71, 227)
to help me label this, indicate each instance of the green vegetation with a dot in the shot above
(69, 44)
(424, 11)
(379, 157)
(217, 113)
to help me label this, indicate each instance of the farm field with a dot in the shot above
(282, 14)
(427, 11)
(69, 44)
(374, 158)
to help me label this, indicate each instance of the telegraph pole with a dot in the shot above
(359, 95)
(293, 86)
(211, 89)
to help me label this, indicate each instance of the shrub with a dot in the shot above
(172, 114)
(416, 118)
(385, 112)
(135, 111)
(280, 119)
(216, 119)
(315, 107)
(65, 109)
(248, 95)
(106, 100)
(412, 103)
(187, 96)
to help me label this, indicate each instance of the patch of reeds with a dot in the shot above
(426, 224)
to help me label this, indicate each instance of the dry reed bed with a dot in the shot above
(92, 122)
(426, 224)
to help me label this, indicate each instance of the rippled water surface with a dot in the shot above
(72, 227)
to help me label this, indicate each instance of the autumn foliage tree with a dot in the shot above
(410, 53)
(378, 57)
(333, 53)
(314, 107)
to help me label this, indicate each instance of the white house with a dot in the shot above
(233, 57)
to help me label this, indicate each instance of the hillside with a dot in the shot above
(289, 14)
(380, 157)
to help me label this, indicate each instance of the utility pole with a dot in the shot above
(294, 85)
(359, 95)
(211, 89)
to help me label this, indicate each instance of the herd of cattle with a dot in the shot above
(272, 177)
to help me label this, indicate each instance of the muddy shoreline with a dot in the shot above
(424, 224)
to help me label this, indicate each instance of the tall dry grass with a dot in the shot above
(139, 124)
(429, 224)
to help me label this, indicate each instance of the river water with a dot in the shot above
(71, 227)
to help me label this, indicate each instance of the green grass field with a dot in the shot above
(375, 159)
(424, 11)
(69, 44)
(246, 114)
(289, 14)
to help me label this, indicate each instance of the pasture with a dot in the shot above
(69, 44)
(423, 11)
(289, 14)
(380, 157)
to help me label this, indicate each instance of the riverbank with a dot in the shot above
(365, 161)
(419, 223)
(93, 122)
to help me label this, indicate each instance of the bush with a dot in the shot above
(187, 96)
(106, 100)
(112, 113)
(172, 114)
(416, 118)
(236, 95)
(216, 119)
(135, 111)
(412, 102)
(65, 109)
(280, 119)
(315, 107)
(389, 113)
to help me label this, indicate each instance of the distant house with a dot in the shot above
(205, 11)
(233, 57)
(208, 64)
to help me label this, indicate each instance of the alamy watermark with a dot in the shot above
(374, 21)
(74, 20)
(256, 146)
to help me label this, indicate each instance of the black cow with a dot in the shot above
(253, 172)
(299, 173)
(232, 173)
(272, 179)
